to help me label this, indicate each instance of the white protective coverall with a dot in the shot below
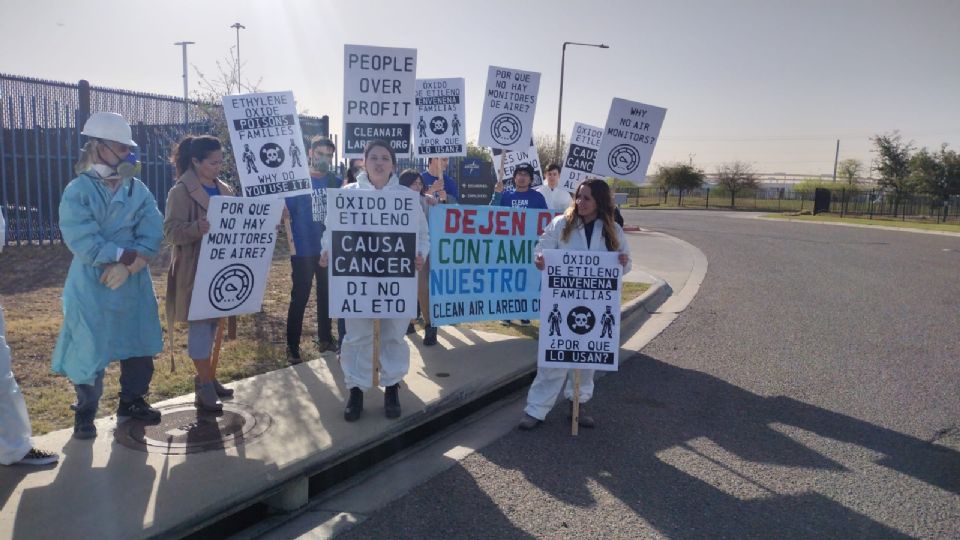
(14, 423)
(549, 381)
(356, 353)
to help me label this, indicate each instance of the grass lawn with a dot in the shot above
(31, 282)
(884, 221)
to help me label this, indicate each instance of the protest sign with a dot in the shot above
(235, 257)
(580, 319)
(476, 181)
(267, 144)
(516, 158)
(481, 263)
(440, 118)
(372, 253)
(378, 97)
(584, 142)
(509, 103)
(628, 140)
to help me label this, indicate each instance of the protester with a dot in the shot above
(15, 444)
(308, 214)
(356, 355)
(436, 170)
(588, 225)
(414, 180)
(110, 222)
(557, 198)
(197, 162)
(521, 197)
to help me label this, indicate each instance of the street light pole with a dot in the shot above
(238, 26)
(563, 59)
(186, 104)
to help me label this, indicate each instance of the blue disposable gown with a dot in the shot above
(101, 324)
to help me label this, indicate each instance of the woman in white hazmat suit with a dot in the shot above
(356, 354)
(587, 225)
(15, 444)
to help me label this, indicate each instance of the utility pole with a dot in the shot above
(186, 103)
(836, 158)
(238, 26)
(563, 60)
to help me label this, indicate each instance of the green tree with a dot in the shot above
(476, 151)
(736, 177)
(936, 173)
(679, 176)
(849, 170)
(893, 166)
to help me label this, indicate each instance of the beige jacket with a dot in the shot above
(187, 202)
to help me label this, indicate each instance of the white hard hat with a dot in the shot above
(109, 126)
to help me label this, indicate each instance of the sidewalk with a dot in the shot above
(281, 428)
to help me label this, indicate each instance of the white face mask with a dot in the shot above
(105, 172)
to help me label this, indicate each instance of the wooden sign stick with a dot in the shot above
(575, 429)
(215, 355)
(376, 353)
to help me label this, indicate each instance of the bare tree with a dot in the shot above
(547, 149)
(735, 177)
(849, 170)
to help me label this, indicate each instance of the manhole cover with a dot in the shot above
(184, 430)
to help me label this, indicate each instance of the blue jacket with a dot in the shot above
(100, 324)
(308, 214)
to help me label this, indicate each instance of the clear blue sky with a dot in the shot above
(771, 82)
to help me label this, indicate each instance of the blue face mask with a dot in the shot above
(129, 166)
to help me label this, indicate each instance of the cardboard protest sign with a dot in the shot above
(509, 103)
(235, 257)
(267, 144)
(378, 97)
(516, 158)
(584, 142)
(580, 315)
(628, 140)
(372, 253)
(440, 118)
(481, 263)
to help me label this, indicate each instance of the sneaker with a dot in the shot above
(293, 355)
(524, 322)
(354, 405)
(222, 391)
(391, 401)
(528, 422)
(83, 426)
(138, 409)
(324, 345)
(430, 335)
(38, 457)
(584, 419)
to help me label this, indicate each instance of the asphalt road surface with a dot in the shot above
(810, 390)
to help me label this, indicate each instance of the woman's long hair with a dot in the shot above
(600, 191)
(193, 147)
(86, 156)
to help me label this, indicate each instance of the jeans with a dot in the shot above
(303, 270)
(135, 376)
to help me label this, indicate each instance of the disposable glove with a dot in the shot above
(114, 276)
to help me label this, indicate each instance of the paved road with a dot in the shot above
(810, 390)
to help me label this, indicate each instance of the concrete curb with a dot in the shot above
(862, 226)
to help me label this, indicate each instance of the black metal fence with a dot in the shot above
(40, 124)
(854, 203)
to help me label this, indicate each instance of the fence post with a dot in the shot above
(708, 198)
(83, 103)
(843, 202)
(801, 202)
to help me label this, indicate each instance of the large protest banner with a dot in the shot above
(481, 263)
(628, 140)
(267, 143)
(372, 253)
(440, 118)
(235, 256)
(584, 142)
(530, 156)
(580, 319)
(378, 97)
(509, 103)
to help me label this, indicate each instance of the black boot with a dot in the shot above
(354, 405)
(391, 401)
(138, 409)
(222, 391)
(83, 427)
